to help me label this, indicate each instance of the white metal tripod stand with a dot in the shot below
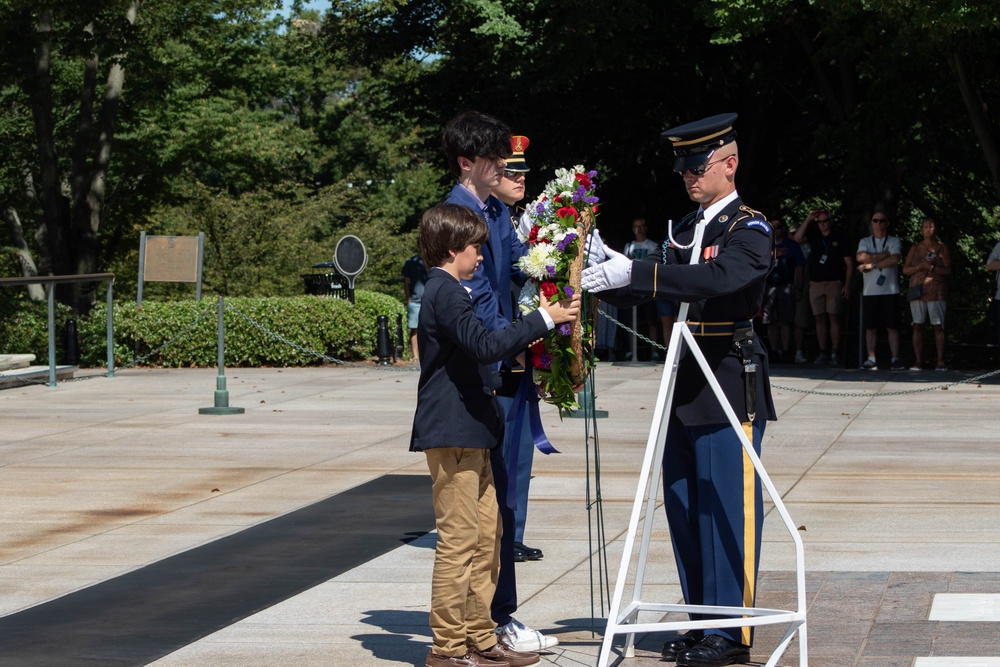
(624, 620)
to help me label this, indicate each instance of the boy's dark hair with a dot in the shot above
(449, 227)
(473, 135)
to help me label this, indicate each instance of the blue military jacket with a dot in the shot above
(727, 284)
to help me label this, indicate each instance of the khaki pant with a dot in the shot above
(467, 558)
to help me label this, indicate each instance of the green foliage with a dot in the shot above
(258, 331)
(24, 327)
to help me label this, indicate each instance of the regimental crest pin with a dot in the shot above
(723, 218)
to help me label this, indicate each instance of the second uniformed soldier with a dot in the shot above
(712, 493)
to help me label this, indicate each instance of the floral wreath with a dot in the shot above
(562, 215)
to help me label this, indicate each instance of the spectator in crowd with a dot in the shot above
(784, 288)
(878, 261)
(638, 248)
(928, 265)
(993, 264)
(803, 312)
(831, 269)
(414, 277)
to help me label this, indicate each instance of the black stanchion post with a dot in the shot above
(221, 393)
(72, 355)
(399, 336)
(383, 345)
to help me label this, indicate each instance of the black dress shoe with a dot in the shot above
(674, 647)
(520, 555)
(714, 651)
(530, 552)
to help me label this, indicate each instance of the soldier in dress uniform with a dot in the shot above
(712, 493)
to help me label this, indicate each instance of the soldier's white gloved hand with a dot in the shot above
(596, 250)
(615, 271)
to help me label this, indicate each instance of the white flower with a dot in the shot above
(538, 260)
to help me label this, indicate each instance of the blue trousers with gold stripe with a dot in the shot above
(714, 506)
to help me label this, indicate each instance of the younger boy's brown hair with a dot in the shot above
(449, 227)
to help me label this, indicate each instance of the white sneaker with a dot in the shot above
(520, 637)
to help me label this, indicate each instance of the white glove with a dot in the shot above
(615, 271)
(597, 252)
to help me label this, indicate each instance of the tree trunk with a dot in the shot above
(24, 258)
(50, 199)
(70, 221)
(977, 115)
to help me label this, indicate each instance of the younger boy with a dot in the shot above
(457, 423)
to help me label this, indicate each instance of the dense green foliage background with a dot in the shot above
(259, 331)
(278, 136)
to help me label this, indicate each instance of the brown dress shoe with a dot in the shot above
(472, 658)
(509, 656)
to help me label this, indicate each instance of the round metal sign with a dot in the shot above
(349, 256)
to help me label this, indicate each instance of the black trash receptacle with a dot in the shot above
(327, 281)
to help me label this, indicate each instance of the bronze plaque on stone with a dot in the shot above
(171, 259)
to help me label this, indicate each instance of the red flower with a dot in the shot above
(548, 289)
(584, 180)
(539, 357)
(567, 212)
(533, 234)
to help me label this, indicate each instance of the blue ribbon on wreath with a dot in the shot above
(524, 404)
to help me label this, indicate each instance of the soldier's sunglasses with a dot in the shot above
(702, 168)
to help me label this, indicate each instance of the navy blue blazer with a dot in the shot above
(491, 283)
(455, 402)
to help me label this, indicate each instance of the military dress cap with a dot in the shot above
(694, 143)
(516, 160)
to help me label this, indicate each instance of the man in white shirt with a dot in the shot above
(878, 260)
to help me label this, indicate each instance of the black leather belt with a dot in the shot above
(718, 328)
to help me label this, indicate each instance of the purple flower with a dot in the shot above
(591, 200)
(565, 329)
(551, 270)
(540, 209)
(567, 240)
(568, 291)
(592, 174)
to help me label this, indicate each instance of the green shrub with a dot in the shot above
(186, 330)
(24, 327)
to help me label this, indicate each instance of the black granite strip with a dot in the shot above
(143, 615)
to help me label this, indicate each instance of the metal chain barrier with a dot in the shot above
(850, 394)
(135, 362)
(319, 355)
(184, 331)
(144, 358)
